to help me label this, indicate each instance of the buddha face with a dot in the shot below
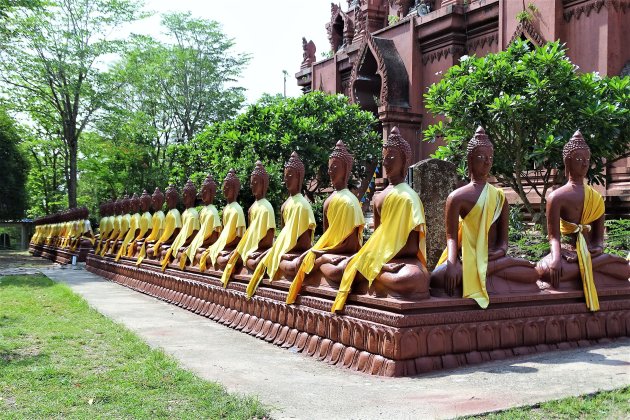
(157, 202)
(480, 161)
(171, 201)
(338, 173)
(292, 180)
(207, 194)
(257, 185)
(578, 162)
(189, 199)
(393, 162)
(230, 192)
(145, 203)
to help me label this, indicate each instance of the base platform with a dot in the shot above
(381, 336)
(61, 255)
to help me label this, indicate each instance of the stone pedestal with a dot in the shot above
(433, 180)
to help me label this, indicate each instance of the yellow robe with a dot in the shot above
(105, 229)
(190, 224)
(145, 222)
(113, 235)
(210, 222)
(593, 210)
(233, 226)
(344, 215)
(172, 221)
(472, 237)
(125, 223)
(298, 218)
(157, 228)
(261, 219)
(134, 223)
(402, 213)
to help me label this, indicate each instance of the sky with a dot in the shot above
(270, 31)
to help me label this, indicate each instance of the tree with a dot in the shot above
(199, 72)
(51, 60)
(530, 102)
(14, 168)
(270, 130)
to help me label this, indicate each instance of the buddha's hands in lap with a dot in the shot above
(495, 254)
(555, 272)
(331, 259)
(392, 267)
(288, 257)
(453, 276)
(595, 251)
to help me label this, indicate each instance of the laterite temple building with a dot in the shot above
(385, 53)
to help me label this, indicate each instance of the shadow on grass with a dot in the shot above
(17, 359)
(26, 280)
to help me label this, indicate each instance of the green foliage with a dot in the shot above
(618, 237)
(392, 19)
(269, 131)
(530, 101)
(516, 225)
(82, 365)
(13, 167)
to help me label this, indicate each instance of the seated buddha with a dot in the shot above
(117, 212)
(297, 232)
(210, 226)
(134, 226)
(233, 225)
(262, 227)
(125, 224)
(105, 226)
(190, 225)
(343, 227)
(157, 226)
(144, 224)
(474, 264)
(171, 226)
(576, 210)
(392, 263)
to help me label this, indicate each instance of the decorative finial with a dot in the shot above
(189, 188)
(231, 178)
(209, 183)
(576, 142)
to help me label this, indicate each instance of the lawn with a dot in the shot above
(60, 358)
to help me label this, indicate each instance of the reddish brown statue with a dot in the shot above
(577, 210)
(474, 263)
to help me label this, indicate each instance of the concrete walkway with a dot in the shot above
(297, 386)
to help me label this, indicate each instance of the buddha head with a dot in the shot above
(110, 208)
(83, 213)
(135, 203)
(259, 181)
(340, 166)
(231, 186)
(294, 174)
(145, 201)
(157, 200)
(208, 190)
(479, 155)
(101, 210)
(126, 204)
(396, 157)
(190, 194)
(576, 156)
(118, 207)
(172, 197)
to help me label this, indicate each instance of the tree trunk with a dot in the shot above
(72, 142)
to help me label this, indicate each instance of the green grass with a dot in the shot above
(61, 359)
(602, 405)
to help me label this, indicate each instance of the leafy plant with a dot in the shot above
(392, 19)
(516, 225)
(530, 102)
(618, 237)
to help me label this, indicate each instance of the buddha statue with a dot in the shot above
(117, 210)
(393, 260)
(343, 226)
(474, 264)
(125, 224)
(105, 225)
(172, 224)
(157, 226)
(84, 230)
(577, 211)
(297, 232)
(134, 226)
(210, 225)
(190, 225)
(262, 227)
(144, 223)
(233, 224)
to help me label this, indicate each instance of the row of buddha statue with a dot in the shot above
(65, 229)
(392, 262)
